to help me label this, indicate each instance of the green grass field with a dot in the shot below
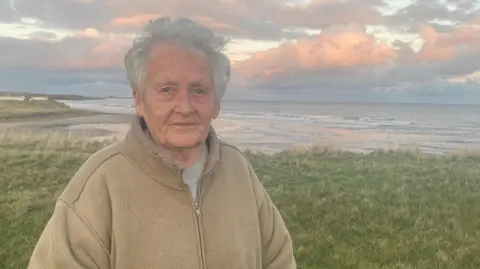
(390, 210)
(28, 110)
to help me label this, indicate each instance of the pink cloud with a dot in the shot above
(88, 33)
(446, 46)
(135, 20)
(476, 20)
(349, 59)
(335, 48)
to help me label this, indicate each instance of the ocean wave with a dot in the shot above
(433, 133)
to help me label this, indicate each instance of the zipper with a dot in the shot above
(197, 212)
(198, 215)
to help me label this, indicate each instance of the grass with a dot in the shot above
(385, 210)
(28, 110)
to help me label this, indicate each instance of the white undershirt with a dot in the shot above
(192, 175)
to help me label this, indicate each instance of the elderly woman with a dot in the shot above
(171, 194)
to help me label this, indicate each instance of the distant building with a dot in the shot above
(23, 98)
(38, 98)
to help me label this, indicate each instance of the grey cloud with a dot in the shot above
(43, 35)
(37, 65)
(92, 82)
(439, 28)
(268, 19)
(322, 15)
(67, 14)
(7, 14)
(240, 19)
(67, 53)
(463, 64)
(77, 15)
(261, 19)
(466, 5)
(259, 29)
(405, 50)
(424, 11)
(31, 53)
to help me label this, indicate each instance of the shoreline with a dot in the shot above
(246, 135)
(114, 127)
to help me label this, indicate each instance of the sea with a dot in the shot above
(273, 126)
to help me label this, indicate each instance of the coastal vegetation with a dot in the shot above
(48, 96)
(15, 110)
(384, 210)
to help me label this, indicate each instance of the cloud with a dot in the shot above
(7, 12)
(348, 60)
(364, 46)
(104, 81)
(85, 49)
(120, 16)
(444, 47)
(66, 14)
(336, 50)
(443, 17)
(89, 33)
(325, 13)
(260, 19)
(240, 19)
(87, 62)
(476, 20)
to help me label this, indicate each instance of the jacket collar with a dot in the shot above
(157, 162)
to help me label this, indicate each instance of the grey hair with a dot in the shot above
(184, 31)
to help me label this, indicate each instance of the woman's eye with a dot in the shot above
(199, 91)
(166, 90)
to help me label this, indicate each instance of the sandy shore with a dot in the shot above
(244, 134)
(95, 126)
(254, 134)
(116, 126)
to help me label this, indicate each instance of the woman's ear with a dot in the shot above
(137, 97)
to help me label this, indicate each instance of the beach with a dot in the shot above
(271, 126)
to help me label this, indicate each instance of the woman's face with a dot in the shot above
(178, 102)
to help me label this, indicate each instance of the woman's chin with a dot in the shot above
(185, 139)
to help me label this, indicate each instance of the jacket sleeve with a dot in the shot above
(68, 241)
(276, 240)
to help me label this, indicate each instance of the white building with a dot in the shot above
(38, 98)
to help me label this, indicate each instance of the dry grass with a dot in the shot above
(385, 210)
(28, 110)
(466, 153)
(52, 140)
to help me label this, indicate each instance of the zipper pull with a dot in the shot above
(197, 209)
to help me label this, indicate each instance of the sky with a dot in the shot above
(326, 50)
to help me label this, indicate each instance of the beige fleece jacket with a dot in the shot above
(127, 208)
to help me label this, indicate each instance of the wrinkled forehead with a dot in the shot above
(174, 61)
